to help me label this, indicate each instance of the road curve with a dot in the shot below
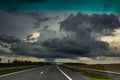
(45, 73)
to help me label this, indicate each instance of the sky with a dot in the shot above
(82, 31)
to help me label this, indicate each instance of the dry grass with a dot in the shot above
(105, 67)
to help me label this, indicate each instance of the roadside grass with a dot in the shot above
(91, 75)
(104, 67)
(94, 76)
(6, 71)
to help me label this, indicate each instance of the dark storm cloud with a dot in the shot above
(36, 50)
(83, 26)
(77, 41)
(11, 24)
(31, 49)
(20, 23)
(102, 23)
(9, 39)
(80, 47)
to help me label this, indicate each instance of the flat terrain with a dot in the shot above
(52, 72)
(104, 67)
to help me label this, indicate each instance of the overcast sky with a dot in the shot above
(61, 36)
(60, 30)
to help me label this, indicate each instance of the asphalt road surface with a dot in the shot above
(45, 73)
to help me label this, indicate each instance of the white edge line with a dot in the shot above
(63, 73)
(18, 72)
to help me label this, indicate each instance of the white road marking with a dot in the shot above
(18, 72)
(41, 72)
(64, 73)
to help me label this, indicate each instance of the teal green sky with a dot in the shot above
(62, 5)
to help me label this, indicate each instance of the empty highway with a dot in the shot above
(45, 73)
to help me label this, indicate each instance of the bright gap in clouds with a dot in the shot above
(35, 35)
(113, 40)
(32, 37)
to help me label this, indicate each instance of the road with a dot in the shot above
(45, 73)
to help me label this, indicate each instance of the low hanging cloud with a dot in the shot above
(80, 47)
(81, 31)
(36, 50)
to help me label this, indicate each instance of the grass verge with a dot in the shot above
(92, 75)
(6, 71)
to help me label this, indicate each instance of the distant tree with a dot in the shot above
(15, 61)
(0, 60)
(8, 60)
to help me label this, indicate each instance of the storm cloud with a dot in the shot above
(36, 50)
(72, 37)
(9, 39)
(83, 23)
(81, 42)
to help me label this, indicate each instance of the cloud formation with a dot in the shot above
(71, 37)
(82, 42)
(9, 39)
(99, 23)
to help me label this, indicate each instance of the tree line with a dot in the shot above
(16, 63)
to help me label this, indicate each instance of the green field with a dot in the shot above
(92, 75)
(11, 70)
(16, 65)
